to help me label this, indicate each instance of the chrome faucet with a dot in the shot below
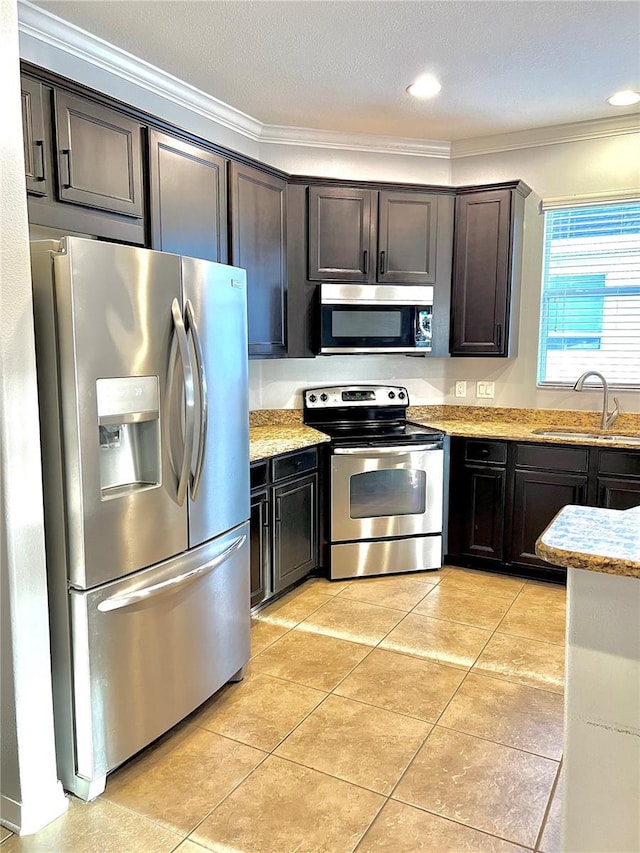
(607, 419)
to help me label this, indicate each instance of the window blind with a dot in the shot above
(590, 311)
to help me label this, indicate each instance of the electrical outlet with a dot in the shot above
(461, 388)
(485, 390)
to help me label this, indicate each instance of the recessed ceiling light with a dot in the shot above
(624, 99)
(425, 86)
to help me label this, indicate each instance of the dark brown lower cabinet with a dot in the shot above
(483, 525)
(618, 492)
(295, 530)
(259, 550)
(284, 522)
(538, 496)
(502, 496)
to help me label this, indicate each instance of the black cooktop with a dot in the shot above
(378, 433)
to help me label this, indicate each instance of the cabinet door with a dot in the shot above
(407, 231)
(35, 140)
(188, 195)
(618, 493)
(258, 245)
(481, 266)
(538, 496)
(295, 530)
(259, 551)
(482, 528)
(99, 156)
(341, 234)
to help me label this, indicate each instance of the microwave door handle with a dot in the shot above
(116, 602)
(396, 450)
(192, 329)
(189, 397)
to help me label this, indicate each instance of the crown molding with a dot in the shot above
(311, 138)
(541, 136)
(48, 29)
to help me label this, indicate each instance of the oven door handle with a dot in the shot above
(396, 450)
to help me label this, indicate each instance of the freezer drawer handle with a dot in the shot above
(119, 601)
(191, 328)
(189, 398)
(397, 450)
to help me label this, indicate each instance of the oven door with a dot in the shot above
(380, 492)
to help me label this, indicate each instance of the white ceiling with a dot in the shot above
(504, 65)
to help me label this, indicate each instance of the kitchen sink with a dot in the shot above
(552, 432)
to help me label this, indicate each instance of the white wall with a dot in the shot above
(357, 165)
(31, 796)
(580, 167)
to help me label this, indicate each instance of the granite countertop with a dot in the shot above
(595, 539)
(519, 424)
(280, 431)
(275, 431)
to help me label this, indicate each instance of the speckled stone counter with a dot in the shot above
(594, 539)
(519, 424)
(275, 431)
(601, 755)
(272, 432)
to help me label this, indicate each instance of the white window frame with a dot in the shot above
(569, 203)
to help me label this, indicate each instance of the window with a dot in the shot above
(590, 312)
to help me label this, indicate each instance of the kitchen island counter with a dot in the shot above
(595, 539)
(601, 778)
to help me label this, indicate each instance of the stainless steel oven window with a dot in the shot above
(375, 494)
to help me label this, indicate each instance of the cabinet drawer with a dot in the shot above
(619, 462)
(552, 458)
(259, 474)
(295, 463)
(486, 451)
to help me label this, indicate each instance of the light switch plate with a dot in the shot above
(461, 388)
(485, 390)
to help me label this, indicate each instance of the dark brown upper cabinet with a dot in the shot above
(486, 270)
(257, 216)
(407, 232)
(188, 198)
(106, 199)
(99, 154)
(35, 141)
(364, 235)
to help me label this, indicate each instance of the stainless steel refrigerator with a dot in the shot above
(142, 375)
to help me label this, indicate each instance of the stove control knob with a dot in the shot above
(324, 398)
(312, 398)
(401, 395)
(391, 395)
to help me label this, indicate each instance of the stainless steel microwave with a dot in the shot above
(375, 318)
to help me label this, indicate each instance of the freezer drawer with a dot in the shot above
(148, 650)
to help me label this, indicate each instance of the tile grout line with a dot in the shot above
(545, 817)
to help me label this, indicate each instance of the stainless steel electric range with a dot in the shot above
(386, 481)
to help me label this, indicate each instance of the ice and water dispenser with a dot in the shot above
(129, 434)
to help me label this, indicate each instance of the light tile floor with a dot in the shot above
(400, 714)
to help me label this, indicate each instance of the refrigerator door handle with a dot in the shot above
(192, 328)
(117, 602)
(189, 398)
